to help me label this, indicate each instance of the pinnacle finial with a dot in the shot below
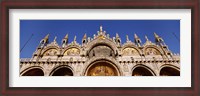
(155, 35)
(47, 36)
(74, 38)
(146, 38)
(85, 36)
(127, 39)
(135, 36)
(66, 36)
(101, 28)
(117, 35)
(55, 39)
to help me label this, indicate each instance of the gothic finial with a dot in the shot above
(66, 36)
(117, 35)
(156, 36)
(55, 39)
(146, 38)
(127, 39)
(74, 38)
(135, 36)
(46, 37)
(85, 36)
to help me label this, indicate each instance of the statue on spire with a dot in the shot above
(101, 28)
(158, 38)
(127, 39)
(146, 38)
(137, 40)
(84, 40)
(117, 35)
(65, 41)
(44, 41)
(55, 39)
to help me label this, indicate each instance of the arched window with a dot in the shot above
(34, 72)
(169, 71)
(102, 69)
(141, 71)
(64, 71)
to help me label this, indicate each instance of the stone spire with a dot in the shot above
(84, 40)
(66, 36)
(158, 39)
(135, 36)
(75, 38)
(137, 40)
(156, 36)
(147, 41)
(65, 40)
(117, 36)
(46, 38)
(146, 38)
(85, 36)
(118, 39)
(101, 28)
(55, 39)
(44, 41)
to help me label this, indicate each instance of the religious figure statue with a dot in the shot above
(127, 39)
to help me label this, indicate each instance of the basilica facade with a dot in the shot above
(101, 55)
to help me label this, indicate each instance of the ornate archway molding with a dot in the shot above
(95, 60)
(143, 66)
(30, 68)
(59, 67)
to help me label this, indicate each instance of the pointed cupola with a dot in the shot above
(137, 40)
(84, 40)
(127, 39)
(158, 39)
(65, 41)
(118, 39)
(44, 41)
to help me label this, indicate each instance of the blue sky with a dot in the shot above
(167, 29)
